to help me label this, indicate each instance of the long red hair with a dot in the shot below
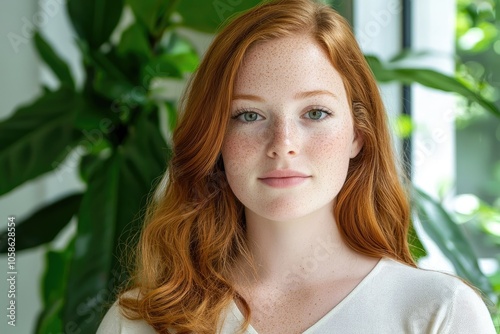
(195, 227)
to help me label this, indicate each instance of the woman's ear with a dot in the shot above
(357, 144)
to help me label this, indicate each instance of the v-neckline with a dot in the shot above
(250, 330)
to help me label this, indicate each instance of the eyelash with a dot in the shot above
(328, 113)
(242, 111)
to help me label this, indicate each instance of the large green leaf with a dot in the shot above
(208, 16)
(43, 225)
(154, 14)
(116, 76)
(103, 62)
(416, 247)
(95, 20)
(53, 61)
(428, 78)
(37, 137)
(99, 122)
(171, 115)
(53, 289)
(109, 216)
(118, 90)
(185, 63)
(438, 224)
(177, 56)
(134, 41)
(163, 66)
(175, 44)
(87, 165)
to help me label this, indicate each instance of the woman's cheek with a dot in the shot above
(238, 148)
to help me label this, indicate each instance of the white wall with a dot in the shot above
(434, 140)
(378, 31)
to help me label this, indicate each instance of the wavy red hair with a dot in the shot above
(195, 227)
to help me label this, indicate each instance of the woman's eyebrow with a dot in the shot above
(248, 97)
(298, 96)
(312, 93)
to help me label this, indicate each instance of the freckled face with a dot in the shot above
(289, 112)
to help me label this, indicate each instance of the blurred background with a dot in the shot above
(88, 96)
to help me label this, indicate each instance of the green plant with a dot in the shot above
(478, 50)
(482, 221)
(111, 128)
(438, 222)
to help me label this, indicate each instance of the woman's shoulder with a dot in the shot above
(115, 322)
(432, 282)
(438, 294)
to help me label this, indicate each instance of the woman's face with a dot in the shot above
(290, 138)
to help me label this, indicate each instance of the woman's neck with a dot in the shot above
(297, 252)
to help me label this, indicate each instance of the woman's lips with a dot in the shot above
(284, 182)
(283, 178)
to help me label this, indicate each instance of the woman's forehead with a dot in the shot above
(296, 63)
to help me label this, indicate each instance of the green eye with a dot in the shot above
(250, 117)
(317, 114)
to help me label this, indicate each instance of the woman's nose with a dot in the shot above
(283, 139)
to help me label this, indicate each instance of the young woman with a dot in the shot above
(283, 211)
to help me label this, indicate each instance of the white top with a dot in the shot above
(392, 298)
